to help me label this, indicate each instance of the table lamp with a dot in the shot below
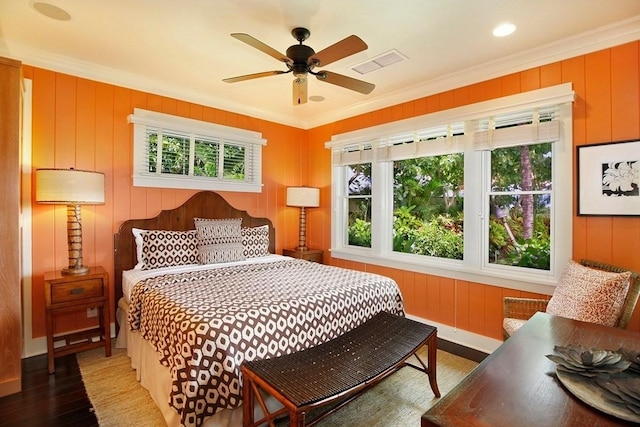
(71, 187)
(303, 197)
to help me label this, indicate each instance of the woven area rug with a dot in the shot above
(400, 400)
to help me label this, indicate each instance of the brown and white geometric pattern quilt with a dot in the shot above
(205, 323)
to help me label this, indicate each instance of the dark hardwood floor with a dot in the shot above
(48, 400)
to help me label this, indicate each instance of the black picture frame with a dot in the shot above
(608, 176)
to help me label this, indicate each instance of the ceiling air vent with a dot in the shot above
(379, 61)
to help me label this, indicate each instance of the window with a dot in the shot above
(174, 152)
(481, 190)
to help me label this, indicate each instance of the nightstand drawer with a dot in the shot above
(315, 257)
(81, 289)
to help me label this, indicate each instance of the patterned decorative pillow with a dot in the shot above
(164, 248)
(255, 241)
(590, 295)
(219, 240)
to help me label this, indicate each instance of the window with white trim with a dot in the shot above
(176, 152)
(480, 190)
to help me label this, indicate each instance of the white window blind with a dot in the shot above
(176, 152)
(521, 128)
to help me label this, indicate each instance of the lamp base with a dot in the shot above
(76, 271)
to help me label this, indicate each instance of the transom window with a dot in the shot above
(484, 189)
(174, 152)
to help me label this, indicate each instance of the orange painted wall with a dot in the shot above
(607, 109)
(82, 124)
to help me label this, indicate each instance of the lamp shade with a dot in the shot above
(307, 197)
(69, 187)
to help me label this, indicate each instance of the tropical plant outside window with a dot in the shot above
(175, 152)
(428, 215)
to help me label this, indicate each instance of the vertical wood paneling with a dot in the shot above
(476, 314)
(598, 90)
(530, 80)
(573, 72)
(433, 300)
(421, 295)
(409, 291)
(511, 84)
(447, 300)
(462, 305)
(625, 102)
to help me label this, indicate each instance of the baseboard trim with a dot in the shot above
(474, 345)
(11, 386)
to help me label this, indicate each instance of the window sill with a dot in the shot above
(453, 269)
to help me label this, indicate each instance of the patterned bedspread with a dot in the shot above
(205, 323)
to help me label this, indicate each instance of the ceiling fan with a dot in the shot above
(301, 60)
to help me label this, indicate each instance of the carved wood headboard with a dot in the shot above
(205, 204)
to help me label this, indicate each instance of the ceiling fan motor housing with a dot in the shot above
(299, 54)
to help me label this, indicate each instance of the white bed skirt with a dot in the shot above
(156, 378)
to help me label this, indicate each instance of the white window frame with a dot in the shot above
(191, 129)
(473, 267)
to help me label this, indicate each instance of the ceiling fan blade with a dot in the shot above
(339, 50)
(253, 76)
(251, 41)
(346, 82)
(299, 90)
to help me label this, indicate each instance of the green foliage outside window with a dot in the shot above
(428, 206)
(176, 153)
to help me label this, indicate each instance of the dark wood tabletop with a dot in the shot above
(517, 385)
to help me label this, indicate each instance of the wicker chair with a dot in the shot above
(524, 308)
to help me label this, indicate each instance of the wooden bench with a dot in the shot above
(338, 370)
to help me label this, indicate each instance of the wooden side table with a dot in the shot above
(313, 255)
(65, 293)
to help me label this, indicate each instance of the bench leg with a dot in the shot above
(296, 419)
(247, 402)
(431, 369)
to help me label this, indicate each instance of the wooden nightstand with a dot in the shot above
(75, 293)
(313, 255)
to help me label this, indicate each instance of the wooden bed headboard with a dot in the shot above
(205, 204)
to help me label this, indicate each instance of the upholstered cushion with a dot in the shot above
(512, 325)
(219, 240)
(590, 295)
(255, 241)
(162, 248)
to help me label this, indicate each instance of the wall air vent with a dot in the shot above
(379, 61)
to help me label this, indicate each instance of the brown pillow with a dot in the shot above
(590, 295)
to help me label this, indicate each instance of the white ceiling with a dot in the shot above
(183, 48)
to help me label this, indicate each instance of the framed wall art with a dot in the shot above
(609, 179)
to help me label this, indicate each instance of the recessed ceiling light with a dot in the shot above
(51, 11)
(504, 29)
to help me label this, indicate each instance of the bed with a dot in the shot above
(188, 327)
